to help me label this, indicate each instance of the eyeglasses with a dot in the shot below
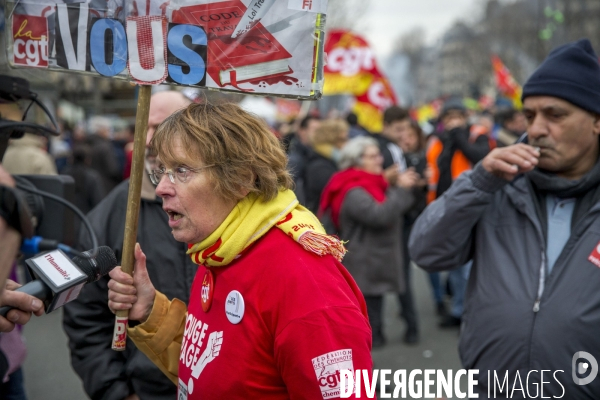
(181, 173)
(372, 156)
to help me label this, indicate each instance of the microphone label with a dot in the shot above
(59, 269)
(66, 296)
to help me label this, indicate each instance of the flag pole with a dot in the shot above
(133, 206)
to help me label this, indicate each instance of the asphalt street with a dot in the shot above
(49, 376)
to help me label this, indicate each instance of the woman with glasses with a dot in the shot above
(273, 314)
(367, 211)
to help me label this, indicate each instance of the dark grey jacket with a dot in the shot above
(516, 318)
(89, 324)
(374, 234)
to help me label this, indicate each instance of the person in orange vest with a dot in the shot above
(452, 150)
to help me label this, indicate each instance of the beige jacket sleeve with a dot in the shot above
(161, 335)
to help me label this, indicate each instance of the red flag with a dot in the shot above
(505, 83)
(351, 69)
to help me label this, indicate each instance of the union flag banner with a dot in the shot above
(505, 83)
(351, 69)
(230, 45)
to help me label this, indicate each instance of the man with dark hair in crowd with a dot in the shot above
(300, 152)
(528, 216)
(88, 322)
(396, 122)
(512, 125)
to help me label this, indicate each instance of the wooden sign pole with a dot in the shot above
(133, 205)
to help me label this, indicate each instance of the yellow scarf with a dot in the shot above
(251, 218)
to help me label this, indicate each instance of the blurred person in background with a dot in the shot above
(88, 322)
(127, 136)
(482, 124)
(77, 134)
(29, 154)
(413, 144)
(122, 139)
(396, 126)
(355, 129)
(89, 187)
(275, 304)
(59, 148)
(286, 134)
(104, 158)
(452, 150)
(367, 211)
(396, 121)
(329, 138)
(299, 152)
(512, 126)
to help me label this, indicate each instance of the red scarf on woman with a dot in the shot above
(342, 182)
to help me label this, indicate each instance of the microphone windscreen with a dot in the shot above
(97, 267)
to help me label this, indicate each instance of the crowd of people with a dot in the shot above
(234, 217)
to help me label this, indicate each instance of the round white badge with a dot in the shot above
(234, 307)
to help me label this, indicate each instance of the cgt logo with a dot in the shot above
(581, 368)
(30, 35)
(331, 381)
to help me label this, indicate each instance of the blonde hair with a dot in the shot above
(330, 131)
(245, 154)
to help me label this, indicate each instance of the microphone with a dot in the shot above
(37, 244)
(59, 280)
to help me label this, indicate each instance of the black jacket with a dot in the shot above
(317, 172)
(385, 147)
(419, 163)
(88, 322)
(297, 159)
(104, 160)
(458, 139)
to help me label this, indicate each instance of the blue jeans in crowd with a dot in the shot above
(436, 286)
(14, 389)
(458, 283)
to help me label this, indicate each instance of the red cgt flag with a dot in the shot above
(352, 69)
(505, 83)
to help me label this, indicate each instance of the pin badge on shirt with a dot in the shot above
(234, 307)
(594, 256)
(206, 292)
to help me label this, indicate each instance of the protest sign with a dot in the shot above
(272, 47)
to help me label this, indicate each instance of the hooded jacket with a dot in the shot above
(517, 318)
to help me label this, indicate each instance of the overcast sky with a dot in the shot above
(388, 19)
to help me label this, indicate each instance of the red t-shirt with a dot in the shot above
(303, 319)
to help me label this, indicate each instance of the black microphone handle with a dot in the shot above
(35, 288)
